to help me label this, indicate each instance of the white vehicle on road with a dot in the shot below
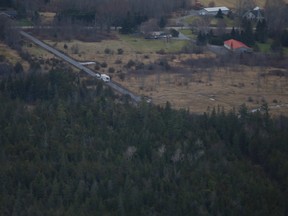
(105, 78)
(97, 75)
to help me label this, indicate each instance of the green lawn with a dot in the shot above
(188, 33)
(139, 44)
(192, 19)
(228, 22)
(265, 47)
(24, 22)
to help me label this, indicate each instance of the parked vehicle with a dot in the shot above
(105, 78)
(97, 75)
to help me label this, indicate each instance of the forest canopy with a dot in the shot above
(67, 149)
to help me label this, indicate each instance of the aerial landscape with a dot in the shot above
(124, 107)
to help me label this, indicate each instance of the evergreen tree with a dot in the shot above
(247, 35)
(219, 14)
(261, 33)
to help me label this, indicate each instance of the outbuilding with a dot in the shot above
(212, 11)
(236, 46)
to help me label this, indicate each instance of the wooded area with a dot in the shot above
(67, 149)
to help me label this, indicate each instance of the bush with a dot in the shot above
(130, 64)
(164, 63)
(111, 70)
(103, 64)
(140, 65)
(65, 46)
(18, 68)
(108, 51)
(97, 67)
(161, 52)
(174, 33)
(121, 76)
(120, 51)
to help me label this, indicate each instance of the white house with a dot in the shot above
(212, 11)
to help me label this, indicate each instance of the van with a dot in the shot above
(105, 78)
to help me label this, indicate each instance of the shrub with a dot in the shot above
(130, 64)
(174, 33)
(97, 67)
(120, 51)
(108, 51)
(103, 64)
(18, 68)
(111, 70)
(161, 52)
(121, 76)
(140, 65)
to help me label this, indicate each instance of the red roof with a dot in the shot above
(234, 44)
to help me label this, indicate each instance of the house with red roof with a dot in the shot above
(236, 46)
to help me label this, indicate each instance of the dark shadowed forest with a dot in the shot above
(67, 149)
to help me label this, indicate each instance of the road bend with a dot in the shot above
(66, 58)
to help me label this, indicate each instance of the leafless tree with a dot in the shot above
(276, 13)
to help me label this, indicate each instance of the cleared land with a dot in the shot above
(184, 87)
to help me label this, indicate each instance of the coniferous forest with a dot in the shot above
(69, 149)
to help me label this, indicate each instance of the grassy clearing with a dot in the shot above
(266, 47)
(24, 22)
(149, 46)
(191, 19)
(188, 33)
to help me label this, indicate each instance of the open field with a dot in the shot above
(232, 3)
(200, 90)
(184, 87)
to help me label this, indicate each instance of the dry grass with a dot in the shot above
(12, 56)
(47, 17)
(211, 88)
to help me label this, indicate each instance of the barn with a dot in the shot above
(212, 11)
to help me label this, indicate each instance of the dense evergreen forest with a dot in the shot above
(67, 149)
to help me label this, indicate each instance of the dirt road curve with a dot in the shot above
(66, 58)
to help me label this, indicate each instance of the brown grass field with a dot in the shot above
(232, 3)
(196, 90)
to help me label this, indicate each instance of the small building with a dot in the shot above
(212, 11)
(236, 46)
